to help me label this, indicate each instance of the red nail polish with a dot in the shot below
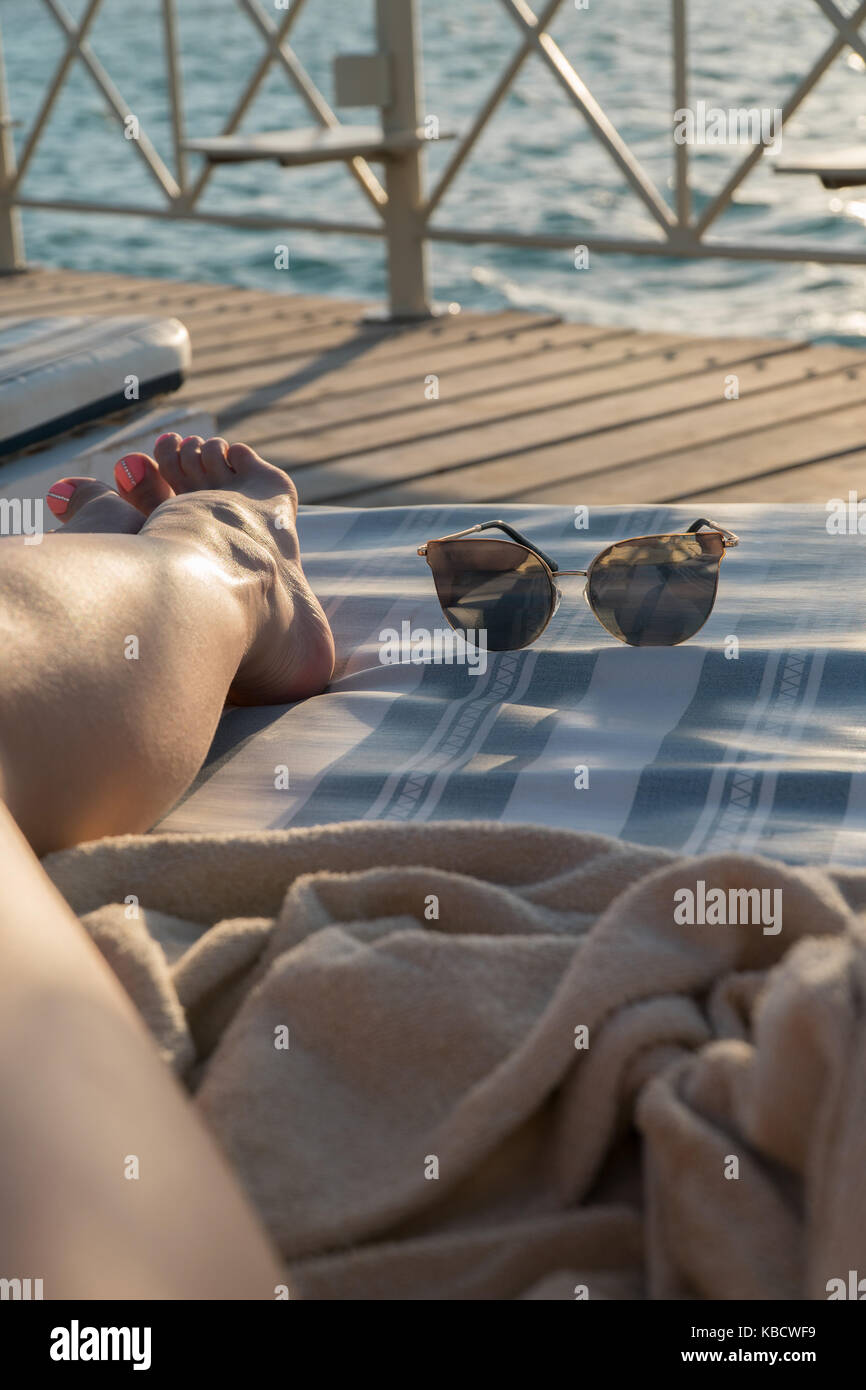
(58, 497)
(130, 471)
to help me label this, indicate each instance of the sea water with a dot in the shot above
(536, 168)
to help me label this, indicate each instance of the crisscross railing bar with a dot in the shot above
(175, 87)
(578, 92)
(465, 146)
(799, 94)
(249, 93)
(406, 221)
(116, 104)
(54, 87)
(845, 25)
(316, 103)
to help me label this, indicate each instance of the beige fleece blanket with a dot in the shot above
(484, 1061)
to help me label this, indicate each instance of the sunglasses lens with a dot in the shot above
(658, 591)
(495, 585)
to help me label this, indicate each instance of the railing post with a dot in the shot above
(173, 82)
(397, 30)
(11, 237)
(679, 31)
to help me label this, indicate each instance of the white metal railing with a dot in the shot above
(404, 212)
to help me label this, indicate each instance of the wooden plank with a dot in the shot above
(36, 287)
(429, 333)
(170, 298)
(265, 323)
(224, 327)
(109, 285)
(594, 436)
(805, 482)
(529, 407)
(269, 341)
(41, 277)
(42, 280)
(205, 324)
(364, 382)
(371, 374)
(212, 323)
(461, 379)
(801, 439)
(629, 388)
(262, 384)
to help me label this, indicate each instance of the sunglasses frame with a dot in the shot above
(553, 572)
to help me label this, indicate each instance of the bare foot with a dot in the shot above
(83, 504)
(226, 504)
(239, 511)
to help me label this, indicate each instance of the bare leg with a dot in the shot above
(82, 1088)
(119, 649)
(120, 642)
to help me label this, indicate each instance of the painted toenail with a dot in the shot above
(170, 435)
(130, 471)
(58, 497)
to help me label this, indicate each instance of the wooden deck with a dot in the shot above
(529, 408)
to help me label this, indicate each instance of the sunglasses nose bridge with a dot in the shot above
(568, 574)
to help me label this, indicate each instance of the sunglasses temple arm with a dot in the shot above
(729, 537)
(521, 540)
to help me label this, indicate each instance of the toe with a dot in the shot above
(59, 497)
(191, 464)
(214, 459)
(166, 451)
(83, 504)
(141, 482)
(268, 480)
(243, 459)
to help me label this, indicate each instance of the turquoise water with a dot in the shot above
(537, 167)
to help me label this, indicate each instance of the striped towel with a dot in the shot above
(756, 746)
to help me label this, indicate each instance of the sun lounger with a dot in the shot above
(714, 745)
(835, 168)
(57, 373)
(78, 392)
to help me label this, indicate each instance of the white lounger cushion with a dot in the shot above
(57, 373)
(93, 452)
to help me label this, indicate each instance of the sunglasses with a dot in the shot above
(649, 591)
